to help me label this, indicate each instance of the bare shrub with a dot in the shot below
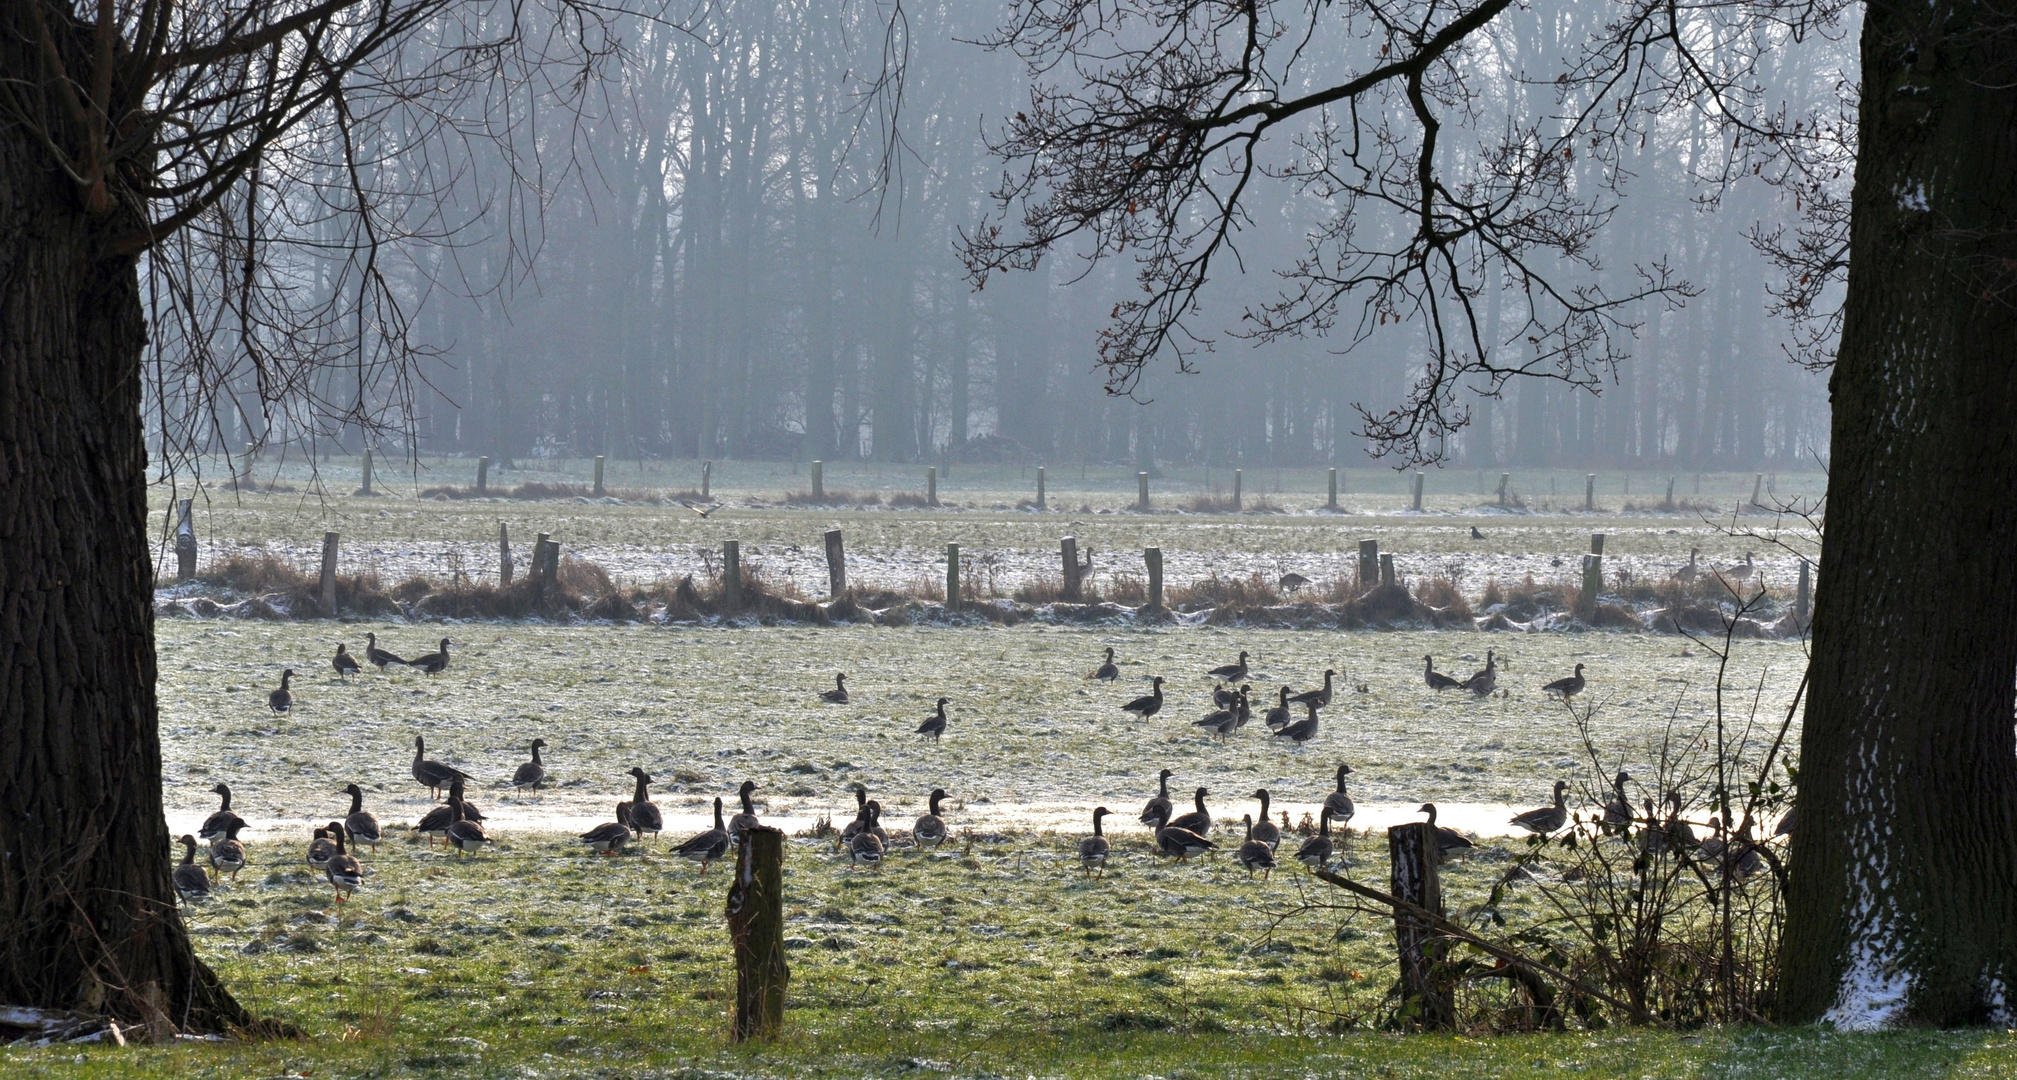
(1252, 591)
(1441, 593)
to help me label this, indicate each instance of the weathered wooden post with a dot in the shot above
(185, 541)
(1427, 1001)
(1153, 557)
(1141, 491)
(1068, 548)
(1505, 481)
(931, 486)
(1387, 579)
(1238, 480)
(706, 478)
(756, 935)
(1803, 600)
(836, 563)
(482, 475)
(599, 489)
(952, 577)
(1590, 491)
(551, 570)
(539, 579)
(731, 574)
(1332, 502)
(1669, 504)
(1596, 543)
(1593, 577)
(1369, 564)
(243, 481)
(366, 489)
(1757, 488)
(328, 591)
(819, 482)
(503, 555)
(1040, 488)
(1419, 478)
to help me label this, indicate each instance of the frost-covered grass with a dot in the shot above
(1031, 742)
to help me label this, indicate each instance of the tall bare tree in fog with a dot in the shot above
(256, 158)
(1150, 127)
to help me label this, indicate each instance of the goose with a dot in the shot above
(860, 823)
(1737, 857)
(1148, 704)
(1303, 730)
(1437, 681)
(362, 827)
(866, 846)
(1181, 843)
(706, 847)
(217, 826)
(342, 870)
(1337, 803)
(1279, 715)
(1107, 671)
(320, 849)
(433, 663)
(1693, 568)
(462, 834)
(1486, 679)
(1683, 833)
(1093, 849)
(1233, 672)
(1618, 811)
(1321, 697)
(609, 837)
(930, 829)
(1245, 708)
(1264, 829)
(227, 856)
(644, 815)
(1568, 687)
(1253, 853)
(1198, 821)
(837, 695)
(433, 775)
(191, 880)
(1546, 819)
(746, 820)
(934, 725)
(1157, 810)
(345, 664)
(1292, 582)
(281, 700)
(1223, 698)
(377, 655)
(1316, 851)
(1740, 571)
(434, 824)
(1220, 721)
(1673, 834)
(531, 774)
(1448, 841)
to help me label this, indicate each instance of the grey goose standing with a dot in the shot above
(1618, 811)
(644, 815)
(1546, 819)
(609, 837)
(745, 819)
(433, 775)
(345, 664)
(282, 699)
(1108, 671)
(1093, 849)
(866, 846)
(1199, 820)
(1337, 802)
(227, 856)
(379, 657)
(1448, 841)
(1486, 679)
(837, 695)
(1567, 687)
(1278, 717)
(191, 880)
(1157, 810)
(1233, 672)
(363, 828)
(1320, 697)
(934, 725)
(708, 846)
(433, 663)
(321, 847)
(1148, 704)
(1317, 850)
(1437, 681)
(531, 774)
(217, 826)
(344, 872)
(1253, 854)
(1263, 828)
(1303, 730)
(930, 828)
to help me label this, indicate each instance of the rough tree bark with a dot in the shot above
(1902, 905)
(87, 908)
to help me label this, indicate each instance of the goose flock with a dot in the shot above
(458, 823)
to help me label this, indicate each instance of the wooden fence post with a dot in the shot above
(1068, 548)
(1141, 491)
(731, 574)
(1669, 504)
(819, 482)
(1593, 577)
(706, 478)
(185, 541)
(1239, 480)
(1757, 487)
(328, 591)
(1153, 557)
(539, 582)
(550, 572)
(482, 475)
(1369, 564)
(1803, 600)
(1505, 481)
(503, 555)
(1590, 491)
(756, 935)
(1332, 502)
(366, 489)
(600, 491)
(952, 577)
(1387, 578)
(1040, 488)
(1427, 1001)
(836, 562)
(1419, 478)
(931, 486)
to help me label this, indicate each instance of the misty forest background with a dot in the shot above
(707, 263)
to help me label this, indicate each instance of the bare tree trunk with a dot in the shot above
(87, 907)
(1902, 905)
